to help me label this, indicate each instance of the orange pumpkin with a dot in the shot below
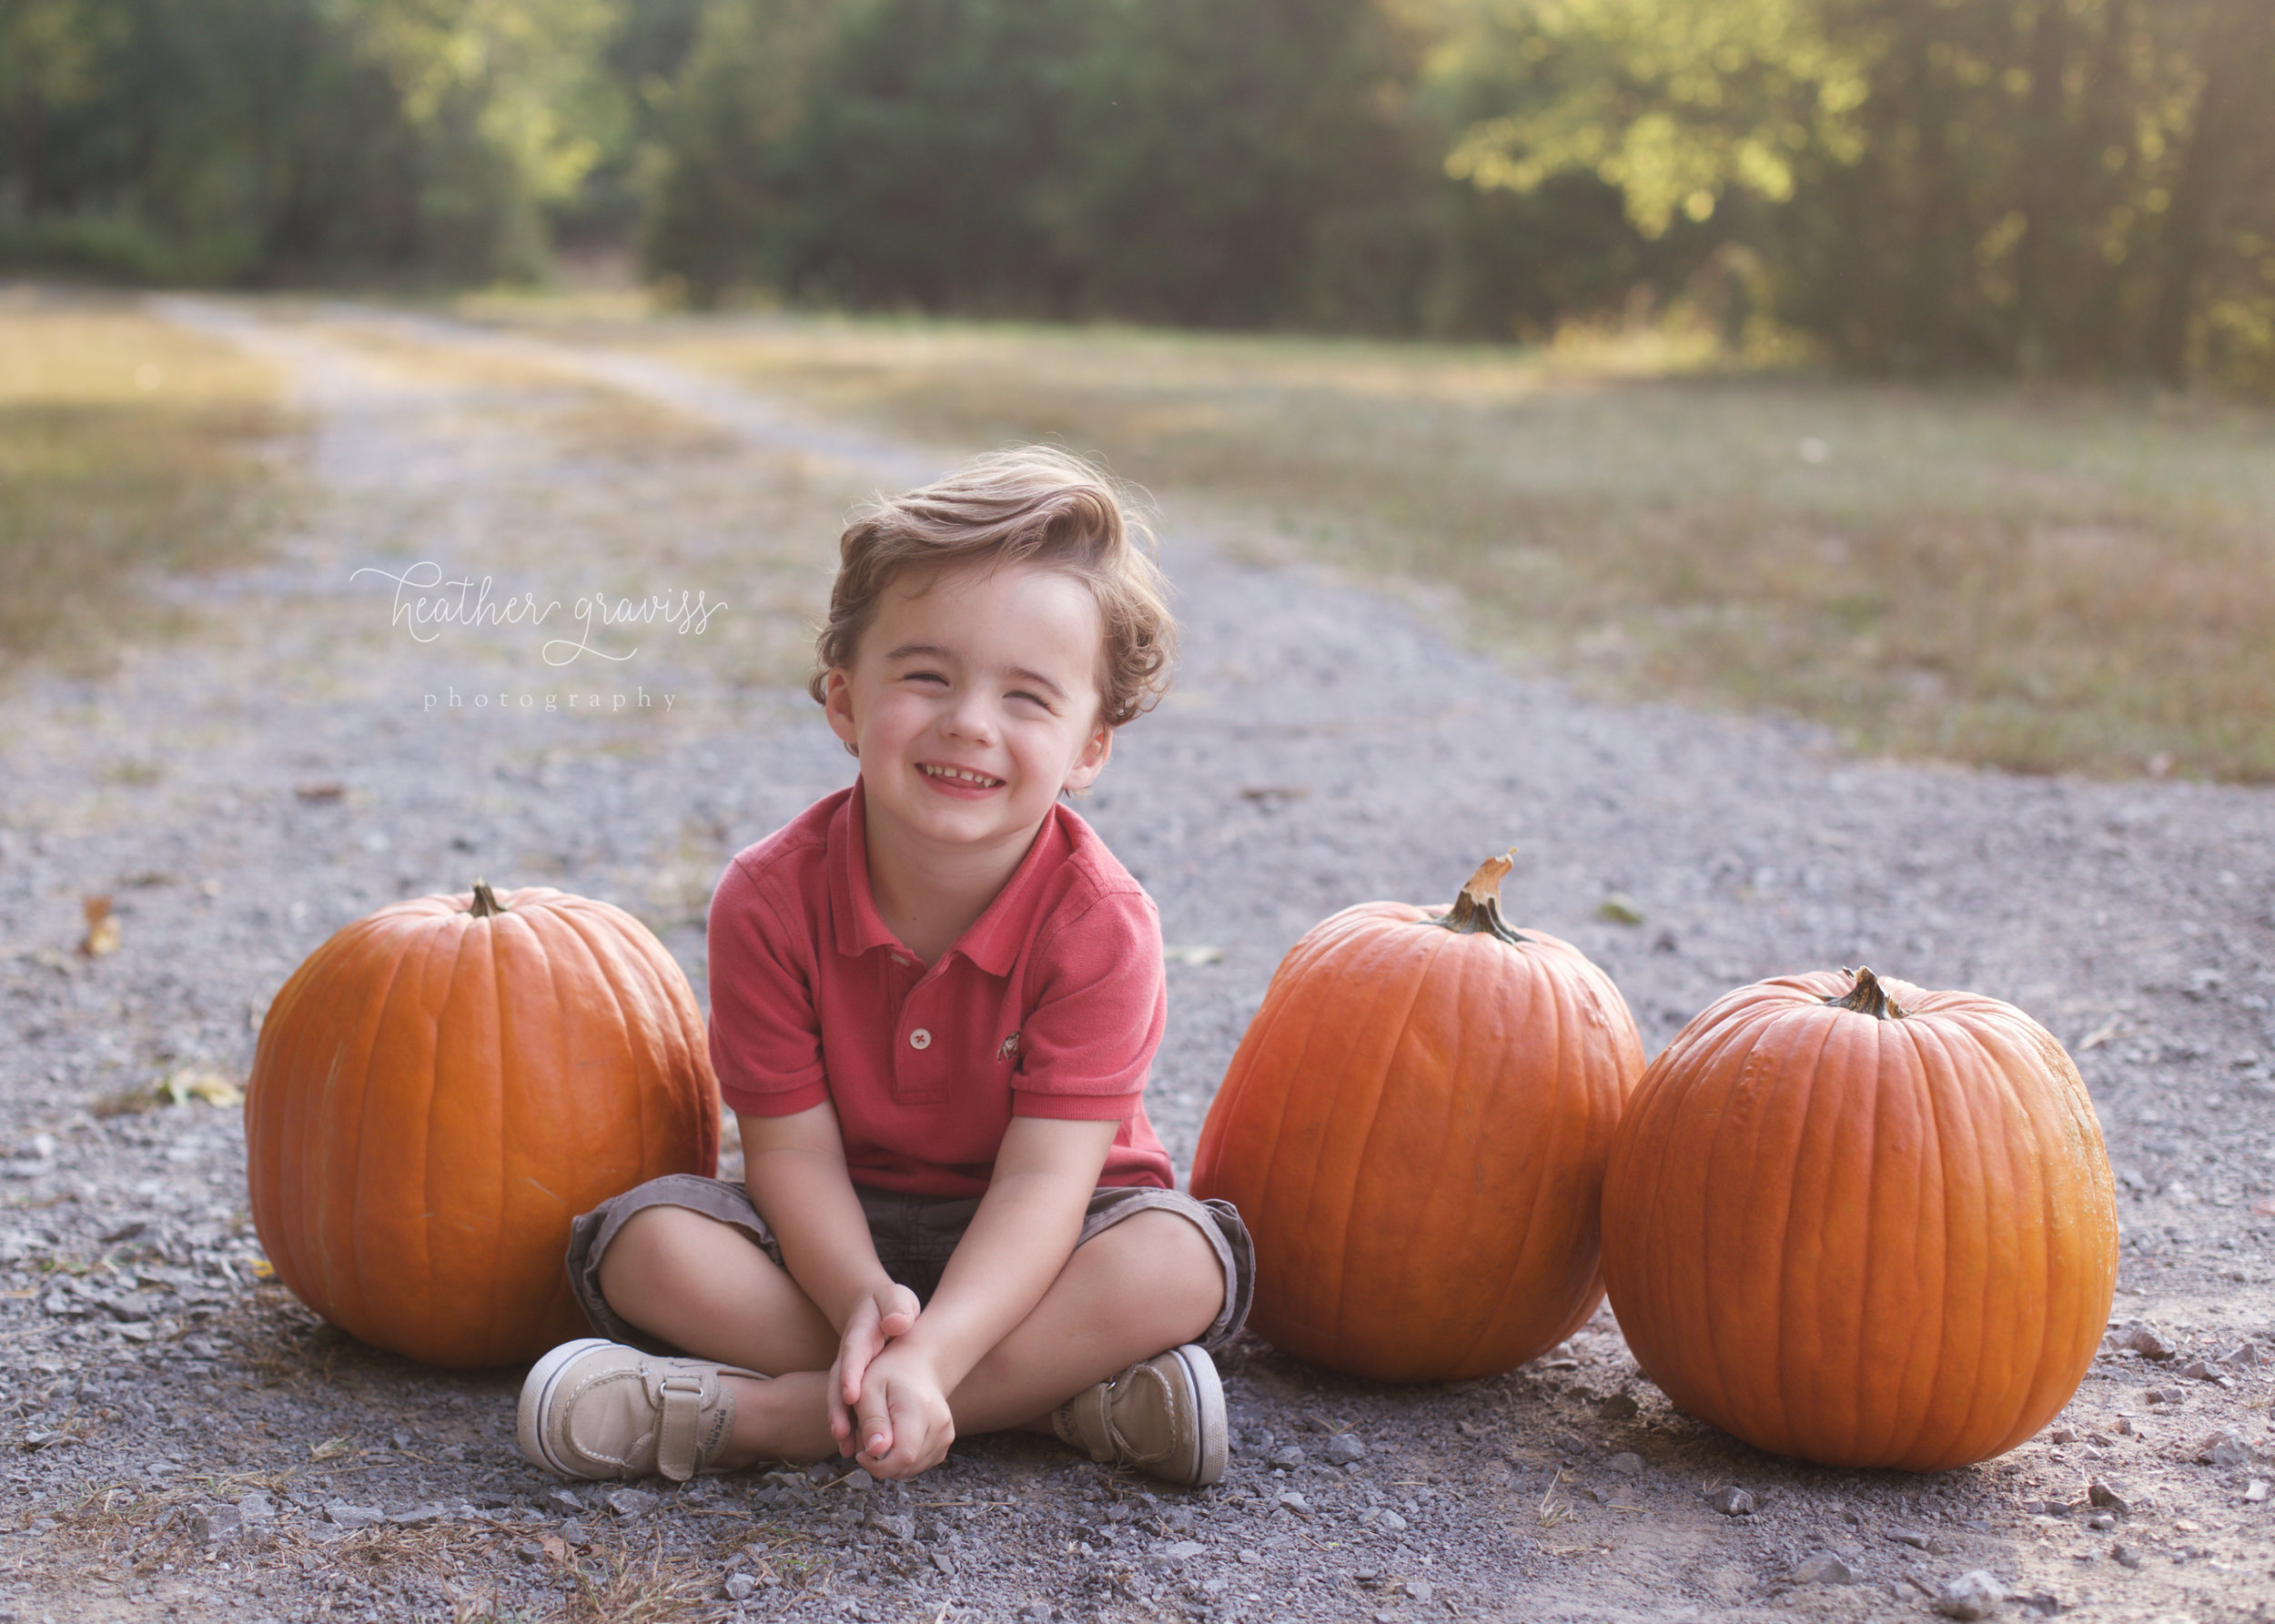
(441, 1087)
(1863, 1223)
(1415, 1129)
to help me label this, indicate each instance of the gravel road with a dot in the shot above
(183, 1440)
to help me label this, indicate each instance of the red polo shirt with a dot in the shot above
(1051, 1004)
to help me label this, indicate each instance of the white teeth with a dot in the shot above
(962, 775)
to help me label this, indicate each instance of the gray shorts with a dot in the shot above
(915, 1235)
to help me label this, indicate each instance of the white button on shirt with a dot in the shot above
(920, 1039)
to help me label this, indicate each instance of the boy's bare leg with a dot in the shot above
(1152, 1282)
(1149, 1284)
(699, 1285)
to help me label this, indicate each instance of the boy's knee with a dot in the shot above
(651, 1243)
(1175, 1262)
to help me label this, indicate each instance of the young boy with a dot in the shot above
(935, 999)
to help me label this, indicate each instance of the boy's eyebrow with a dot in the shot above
(934, 651)
(921, 651)
(1039, 680)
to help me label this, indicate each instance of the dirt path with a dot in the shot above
(176, 1429)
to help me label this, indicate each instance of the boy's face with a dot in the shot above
(972, 700)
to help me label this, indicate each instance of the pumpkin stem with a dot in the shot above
(486, 901)
(1868, 997)
(1477, 911)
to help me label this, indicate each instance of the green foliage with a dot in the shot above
(269, 140)
(1675, 105)
(2058, 187)
(2041, 186)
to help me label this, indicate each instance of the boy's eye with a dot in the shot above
(1033, 699)
(924, 676)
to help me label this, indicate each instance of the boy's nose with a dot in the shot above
(972, 718)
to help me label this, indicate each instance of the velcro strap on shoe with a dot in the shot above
(678, 1447)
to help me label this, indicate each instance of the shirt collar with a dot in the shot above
(992, 941)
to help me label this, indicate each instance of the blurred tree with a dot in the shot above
(2069, 186)
(1269, 163)
(271, 140)
(2066, 187)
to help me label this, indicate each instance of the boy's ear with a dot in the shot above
(1090, 763)
(837, 706)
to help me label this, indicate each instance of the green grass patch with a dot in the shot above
(129, 447)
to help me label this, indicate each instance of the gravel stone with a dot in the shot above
(1975, 1594)
(1824, 1568)
(2225, 1448)
(1732, 1501)
(1626, 1463)
(2144, 1339)
(1342, 1450)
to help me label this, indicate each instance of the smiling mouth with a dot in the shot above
(959, 775)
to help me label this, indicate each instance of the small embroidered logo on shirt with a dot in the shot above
(1009, 1048)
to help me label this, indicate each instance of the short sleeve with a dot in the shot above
(1100, 1002)
(766, 1031)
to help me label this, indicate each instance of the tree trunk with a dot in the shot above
(2188, 220)
(2048, 192)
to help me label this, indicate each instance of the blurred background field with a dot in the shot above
(2032, 578)
(1901, 365)
(128, 447)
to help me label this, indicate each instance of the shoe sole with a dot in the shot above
(1208, 1393)
(536, 1393)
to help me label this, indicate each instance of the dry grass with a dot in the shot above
(2043, 581)
(621, 1586)
(128, 446)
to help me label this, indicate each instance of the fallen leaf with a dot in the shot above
(1274, 793)
(198, 1083)
(553, 1545)
(102, 928)
(263, 1269)
(331, 1449)
(326, 790)
(1620, 909)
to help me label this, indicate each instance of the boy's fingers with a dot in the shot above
(898, 1311)
(873, 1424)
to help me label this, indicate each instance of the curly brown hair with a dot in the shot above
(1029, 504)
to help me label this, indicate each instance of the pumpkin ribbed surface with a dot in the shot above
(438, 1091)
(1863, 1223)
(1415, 1128)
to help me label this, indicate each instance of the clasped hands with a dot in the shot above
(887, 1406)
